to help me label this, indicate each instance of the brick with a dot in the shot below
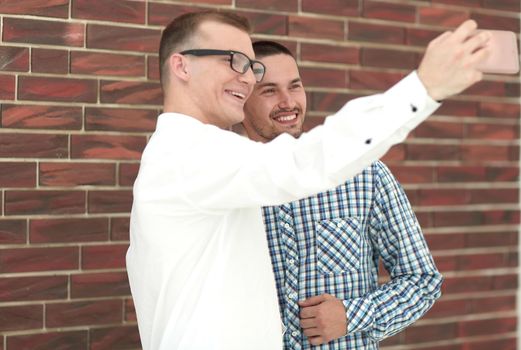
(68, 230)
(123, 38)
(41, 117)
(491, 239)
(505, 5)
(454, 285)
(329, 101)
(391, 12)
(264, 23)
(477, 173)
(323, 77)
(329, 53)
(475, 218)
(14, 58)
(428, 333)
(420, 37)
(130, 311)
(110, 10)
(373, 80)
(445, 241)
(493, 132)
(411, 174)
(44, 202)
(499, 110)
(119, 229)
(496, 22)
(38, 259)
(162, 13)
(388, 58)
(33, 145)
(110, 201)
(440, 197)
(30, 31)
(270, 5)
(82, 313)
(94, 285)
(375, 33)
(55, 8)
(432, 152)
(440, 130)
(441, 16)
(396, 153)
(332, 7)
(97, 63)
(49, 61)
(153, 68)
(496, 195)
(315, 28)
(493, 88)
(483, 327)
(24, 171)
(120, 119)
(128, 173)
(77, 174)
(107, 146)
(104, 257)
(33, 288)
(493, 304)
(13, 231)
(7, 87)
(486, 153)
(57, 89)
(503, 344)
(311, 121)
(131, 92)
(484, 261)
(458, 108)
(466, 3)
(62, 340)
(121, 337)
(15, 318)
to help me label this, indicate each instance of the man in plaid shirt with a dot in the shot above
(325, 249)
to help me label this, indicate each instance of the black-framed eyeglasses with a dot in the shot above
(239, 62)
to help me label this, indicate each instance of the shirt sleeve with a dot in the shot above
(414, 284)
(222, 170)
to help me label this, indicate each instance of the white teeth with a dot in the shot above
(287, 118)
(238, 94)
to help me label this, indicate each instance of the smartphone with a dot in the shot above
(504, 55)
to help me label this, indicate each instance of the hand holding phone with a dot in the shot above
(503, 55)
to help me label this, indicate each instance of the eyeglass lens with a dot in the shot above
(241, 64)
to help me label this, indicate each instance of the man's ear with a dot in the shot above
(179, 66)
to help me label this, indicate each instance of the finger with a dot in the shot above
(308, 312)
(312, 332)
(464, 30)
(306, 323)
(314, 300)
(476, 41)
(316, 340)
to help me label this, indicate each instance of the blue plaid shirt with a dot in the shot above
(331, 243)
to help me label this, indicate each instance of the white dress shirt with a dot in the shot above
(198, 262)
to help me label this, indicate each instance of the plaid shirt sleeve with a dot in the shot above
(415, 282)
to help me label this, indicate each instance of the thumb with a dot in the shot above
(314, 300)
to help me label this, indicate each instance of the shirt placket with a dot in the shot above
(291, 311)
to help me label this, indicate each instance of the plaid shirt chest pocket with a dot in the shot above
(338, 245)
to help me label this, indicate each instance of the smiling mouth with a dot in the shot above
(286, 118)
(238, 95)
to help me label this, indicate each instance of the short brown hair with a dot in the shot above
(177, 35)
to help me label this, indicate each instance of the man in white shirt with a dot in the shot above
(198, 261)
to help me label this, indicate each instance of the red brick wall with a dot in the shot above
(79, 94)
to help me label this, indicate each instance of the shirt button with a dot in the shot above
(291, 261)
(414, 108)
(294, 333)
(292, 295)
